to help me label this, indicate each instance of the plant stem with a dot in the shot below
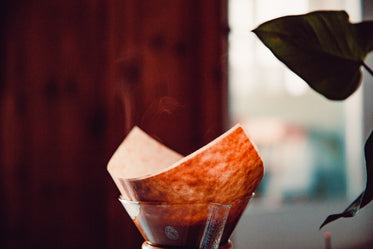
(368, 68)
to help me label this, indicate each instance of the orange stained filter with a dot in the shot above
(226, 169)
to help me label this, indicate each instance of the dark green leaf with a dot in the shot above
(322, 47)
(366, 196)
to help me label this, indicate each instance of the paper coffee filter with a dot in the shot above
(224, 170)
(139, 155)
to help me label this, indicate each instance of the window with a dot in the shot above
(311, 147)
(302, 137)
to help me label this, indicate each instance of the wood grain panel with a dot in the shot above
(75, 77)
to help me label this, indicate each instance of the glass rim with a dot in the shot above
(245, 197)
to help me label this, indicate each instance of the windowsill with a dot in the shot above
(296, 225)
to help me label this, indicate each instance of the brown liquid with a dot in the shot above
(163, 235)
(184, 227)
(147, 245)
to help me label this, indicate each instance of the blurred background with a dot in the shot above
(311, 147)
(76, 76)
